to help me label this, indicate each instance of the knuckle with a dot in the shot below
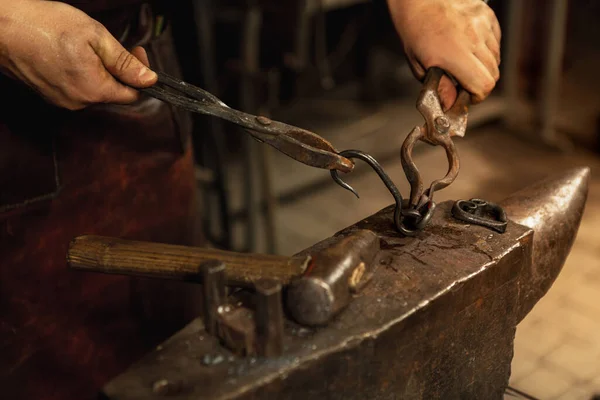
(488, 86)
(89, 32)
(96, 30)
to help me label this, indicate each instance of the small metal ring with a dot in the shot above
(416, 219)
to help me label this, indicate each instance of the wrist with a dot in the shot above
(13, 17)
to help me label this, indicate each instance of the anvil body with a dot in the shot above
(437, 321)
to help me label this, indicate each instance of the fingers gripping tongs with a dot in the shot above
(299, 144)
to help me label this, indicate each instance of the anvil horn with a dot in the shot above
(553, 209)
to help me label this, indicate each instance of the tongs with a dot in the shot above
(300, 144)
(411, 216)
(439, 129)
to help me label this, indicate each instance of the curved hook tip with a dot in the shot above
(339, 181)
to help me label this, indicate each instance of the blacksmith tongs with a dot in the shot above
(439, 129)
(297, 143)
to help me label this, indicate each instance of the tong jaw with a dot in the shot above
(438, 130)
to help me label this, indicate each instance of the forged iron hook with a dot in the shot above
(387, 181)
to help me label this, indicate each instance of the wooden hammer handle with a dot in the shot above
(157, 260)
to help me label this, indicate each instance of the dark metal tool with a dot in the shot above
(301, 145)
(385, 178)
(481, 212)
(333, 276)
(244, 329)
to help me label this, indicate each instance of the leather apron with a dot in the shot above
(124, 171)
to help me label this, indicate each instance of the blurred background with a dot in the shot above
(336, 67)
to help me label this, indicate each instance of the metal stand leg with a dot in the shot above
(250, 52)
(257, 161)
(550, 90)
(516, 117)
(511, 64)
(214, 148)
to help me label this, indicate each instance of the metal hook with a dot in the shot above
(387, 181)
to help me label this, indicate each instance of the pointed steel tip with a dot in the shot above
(553, 209)
(550, 197)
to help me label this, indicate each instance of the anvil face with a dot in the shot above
(437, 320)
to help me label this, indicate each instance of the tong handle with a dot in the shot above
(453, 121)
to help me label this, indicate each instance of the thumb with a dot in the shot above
(123, 65)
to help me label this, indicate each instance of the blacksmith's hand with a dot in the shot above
(460, 36)
(66, 56)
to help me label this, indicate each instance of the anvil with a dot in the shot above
(437, 320)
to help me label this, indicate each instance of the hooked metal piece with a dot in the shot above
(438, 130)
(481, 212)
(387, 181)
(408, 221)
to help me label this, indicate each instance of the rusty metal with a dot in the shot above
(481, 212)
(214, 293)
(269, 318)
(439, 129)
(436, 321)
(247, 324)
(237, 330)
(301, 145)
(334, 276)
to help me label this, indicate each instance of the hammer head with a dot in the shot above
(332, 277)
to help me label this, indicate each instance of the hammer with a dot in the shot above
(321, 283)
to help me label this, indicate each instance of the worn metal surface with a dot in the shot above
(214, 293)
(437, 320)
(269, 318)
(553, 208)
(439, 129)
(332, 278)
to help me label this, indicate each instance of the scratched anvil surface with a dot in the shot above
(437, 320)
